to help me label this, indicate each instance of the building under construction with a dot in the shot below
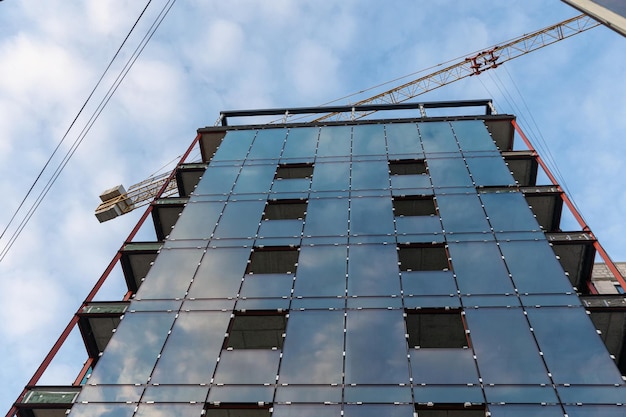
(407, 264)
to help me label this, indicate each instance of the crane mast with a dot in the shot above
(117, 201)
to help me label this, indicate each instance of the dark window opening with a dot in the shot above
(256, 330)
(237, 410)
(407, 167)
(291, 171)
(273, 260)
(414, 206)
(450, 410)
(436, 328)
(423, 258)
(285, 210)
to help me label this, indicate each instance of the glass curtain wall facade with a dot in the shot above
(360, 269)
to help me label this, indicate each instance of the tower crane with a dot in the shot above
(117, 201)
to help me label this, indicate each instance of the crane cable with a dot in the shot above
(95, 115)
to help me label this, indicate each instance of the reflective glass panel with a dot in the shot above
(520, 394)
(450, 394)
(327, 217)
(235, 145)
(331, 176)
(109, 393)
(255, 179)
(171, 274)
(373, 270)
(589, 394)
(241, 394)
(462, 213)
(418, 224)
(240, 219)
(595, 410)
(308, 394)
(197, 221)
(417, 181)
(267, 285)
(368, 140)
(377, 394)
(180, 365)
(473, 135)
(443, 366)
(489, 170)
(175, 393)
(267, 144)
(335, 141)
(525, 410)
(403, 139)
(138, 340)
(247, 366)
(321, 271)
(376, 338)
(558, 330)
(178, 410)
(369, 175)
(508, 211)
(543, 275)
(102, 410)
(280, 228)
(217, 180)
(378, 410)
(371, 216)
(437, 137)
(479, 268)
(313, 348)
(301, 142)
(505, 349)
(428, 282)
(309, 410)
(220, 273)
(449, 172)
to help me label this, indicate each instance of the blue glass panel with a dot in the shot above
(368, 140)
(327, 217)
(138, 340)
(197, 221)
(102, 410)
(449, 172)
(171, 274)
(240, 219)
(520, 394)
(437, 137)
(479, 268)
(421, 238)
(175, 393)
(308, 410)
(313, 349)
(595, 410)
(448, 394)
(255, 179)
(318, 303)
(510, 300)
(418, 224)
(505, 349)
(473, 135)
(267, 285)
(375, 338)
(241, 394)
(217, 180)
(301, 142)
(308, 394)
(462, 213)
(420, 182)
(373, 270)
(209, 305)
(268, 144)
(290, 185)
(371, 216)
(331, 176)
(280, 228)
(428, 282)
(220, 273)
(370, 175)
(525, 410)
(403, 139)
(321, 271)
(378, 410)
(509, 211)
(432, 301)
(178, 410)
(377, 394)
(335, 141)
(235, 145)
(110, 393)
(263, 304)
(550, 300)
(543, 275)
(567, 336)
(154, 305)
(592, 394)
(247, 366)
(176, 365)
(443, 366)
(489, 170)
(374, 302)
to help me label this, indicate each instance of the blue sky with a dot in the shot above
(211, 56)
